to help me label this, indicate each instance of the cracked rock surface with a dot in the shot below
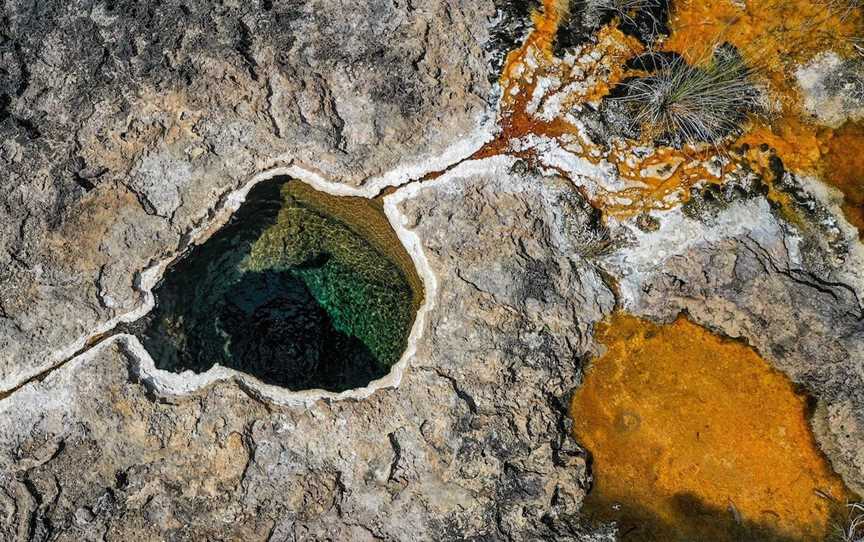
(124, 126)
(473, 442)
(123, 123)
(744, 274)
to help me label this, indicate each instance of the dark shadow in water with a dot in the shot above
(267, 322)
(278, 332)
(695, 521)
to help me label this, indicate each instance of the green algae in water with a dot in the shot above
(286, 293)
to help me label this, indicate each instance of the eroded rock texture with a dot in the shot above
(123, 123)
(473, 443)
(125, 126)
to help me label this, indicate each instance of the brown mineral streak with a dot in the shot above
(697, 437)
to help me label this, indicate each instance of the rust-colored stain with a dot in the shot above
(696, 437)
(534, 61)
(777, 36)
(844, 169)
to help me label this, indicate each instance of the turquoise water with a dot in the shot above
(285, 293)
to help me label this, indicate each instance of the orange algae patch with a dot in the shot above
(780, 33)
(777, 36)
(695, 437)
(665, 179)
(774, 35)
(539, 42)
(518, 81)
(534, 61)
(518, 76)
(661, 181)
(844, 169)
(798, 143)
(835, 155)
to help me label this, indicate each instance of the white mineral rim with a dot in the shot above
(170, 383)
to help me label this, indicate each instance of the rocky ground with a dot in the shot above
(125, 123)
(127, 126)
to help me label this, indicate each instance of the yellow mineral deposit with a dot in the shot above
(696, 437)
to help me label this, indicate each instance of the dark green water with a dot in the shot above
(285, 293)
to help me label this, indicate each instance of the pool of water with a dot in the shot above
(300, 289)
(696, 437)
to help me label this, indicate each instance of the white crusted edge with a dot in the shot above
(167, 383)
(466, 145)
(459, 151)
(645, 257)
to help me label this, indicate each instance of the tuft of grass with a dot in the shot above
(689, 104)
(623, 9)
(843, 8)
(853, 528)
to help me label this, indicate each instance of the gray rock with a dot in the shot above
(127, 129)
(124, 123)
(472, 444)
(833, 89)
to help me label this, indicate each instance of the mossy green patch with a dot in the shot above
(365, 294)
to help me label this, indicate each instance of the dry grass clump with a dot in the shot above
(844, 8)
(684, 103)
(627, 11)
(853, 530)
(623, 9)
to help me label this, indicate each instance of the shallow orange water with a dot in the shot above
(695, 437)
(844, 169)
